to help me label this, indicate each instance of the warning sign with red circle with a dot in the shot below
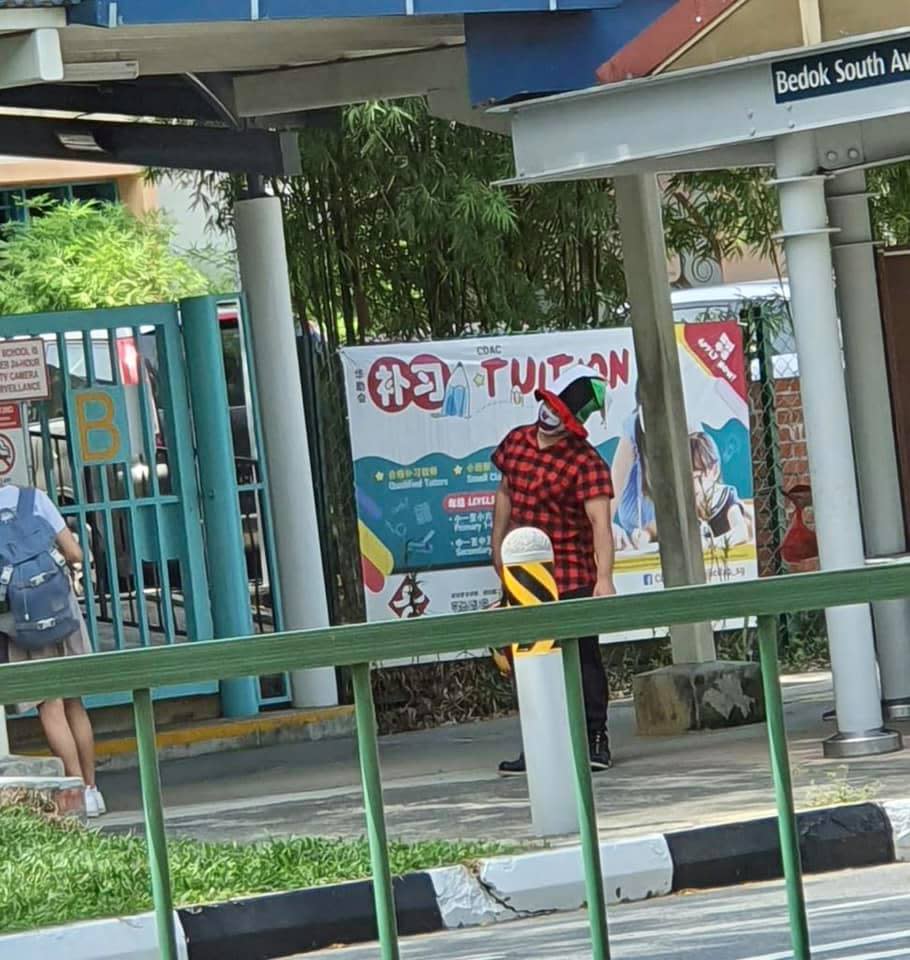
(7, 455)
(13, 458)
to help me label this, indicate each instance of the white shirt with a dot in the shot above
(9, 497)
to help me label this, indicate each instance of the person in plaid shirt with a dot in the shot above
(553, 479)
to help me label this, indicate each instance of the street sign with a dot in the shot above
(853, 68)
(13, 446)
(23, 371)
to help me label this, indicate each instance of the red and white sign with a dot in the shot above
(10, 416)
(13, 449)
(458, 502)
(23, 371)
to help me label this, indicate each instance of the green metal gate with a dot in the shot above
(251, 470)
(112, 445)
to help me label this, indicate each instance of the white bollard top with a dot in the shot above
(526, 545)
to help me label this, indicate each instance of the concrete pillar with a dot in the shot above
(832, 468)
(264, 271)
(638, 202)
(228, 584)
(880, 498)
(4, 734)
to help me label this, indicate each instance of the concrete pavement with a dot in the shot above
(443, 783)
(853, 915)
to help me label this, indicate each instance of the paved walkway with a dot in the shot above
(443, 784)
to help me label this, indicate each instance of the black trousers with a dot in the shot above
(593, 675)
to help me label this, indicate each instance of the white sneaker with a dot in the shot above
(94, 803)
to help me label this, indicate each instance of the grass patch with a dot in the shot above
(838, 790)
(57, 872)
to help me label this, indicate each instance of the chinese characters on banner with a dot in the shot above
(425, 419)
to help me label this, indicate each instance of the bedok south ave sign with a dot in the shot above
(872, 65)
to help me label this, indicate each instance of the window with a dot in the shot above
(44, 194)
(10, 206)
(14, 203)
(104, 192)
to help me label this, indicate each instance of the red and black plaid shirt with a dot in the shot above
(548, 490)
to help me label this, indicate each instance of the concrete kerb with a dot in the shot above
(497, 890)
(549, 881)
(64, 795)
(898, 814)
(220, 736)
(130, 938)
(553, 880)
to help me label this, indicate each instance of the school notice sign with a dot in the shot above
(425, 419)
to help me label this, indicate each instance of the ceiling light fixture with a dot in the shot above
(83, 142)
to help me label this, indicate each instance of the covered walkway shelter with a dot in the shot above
(93, 79)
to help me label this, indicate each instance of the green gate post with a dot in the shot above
(584, 794)
(783, 787)
(228, 581)
(156, 838)
(178, 431)
(386, 919)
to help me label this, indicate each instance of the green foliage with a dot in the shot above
(56, 873)
(890, 188)
(396, 231)
(83, 255)
(721, 214)
(805, 645)
(420, 696)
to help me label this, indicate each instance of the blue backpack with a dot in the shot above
(33, 580)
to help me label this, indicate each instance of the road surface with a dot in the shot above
(854, 915)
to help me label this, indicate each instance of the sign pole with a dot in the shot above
(528, 579)
(14, 468)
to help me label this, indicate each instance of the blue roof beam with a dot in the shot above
(514, 57)
(113, 13)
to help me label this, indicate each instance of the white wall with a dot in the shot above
(192, 233)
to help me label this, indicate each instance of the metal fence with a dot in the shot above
(251, 472)
(355, 647)
(780, 466)
(330, 451)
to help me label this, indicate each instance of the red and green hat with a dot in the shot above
(575, 396)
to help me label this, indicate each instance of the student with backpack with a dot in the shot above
(40, 616)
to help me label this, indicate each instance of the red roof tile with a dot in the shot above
(669, 33)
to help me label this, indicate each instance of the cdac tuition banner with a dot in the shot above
(425, 419)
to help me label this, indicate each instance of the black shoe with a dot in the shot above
(599, 744)
(513, 768)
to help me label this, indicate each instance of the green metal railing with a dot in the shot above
(143, 670)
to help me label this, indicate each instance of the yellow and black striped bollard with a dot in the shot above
(529, 584)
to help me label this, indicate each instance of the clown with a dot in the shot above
(554, 479)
